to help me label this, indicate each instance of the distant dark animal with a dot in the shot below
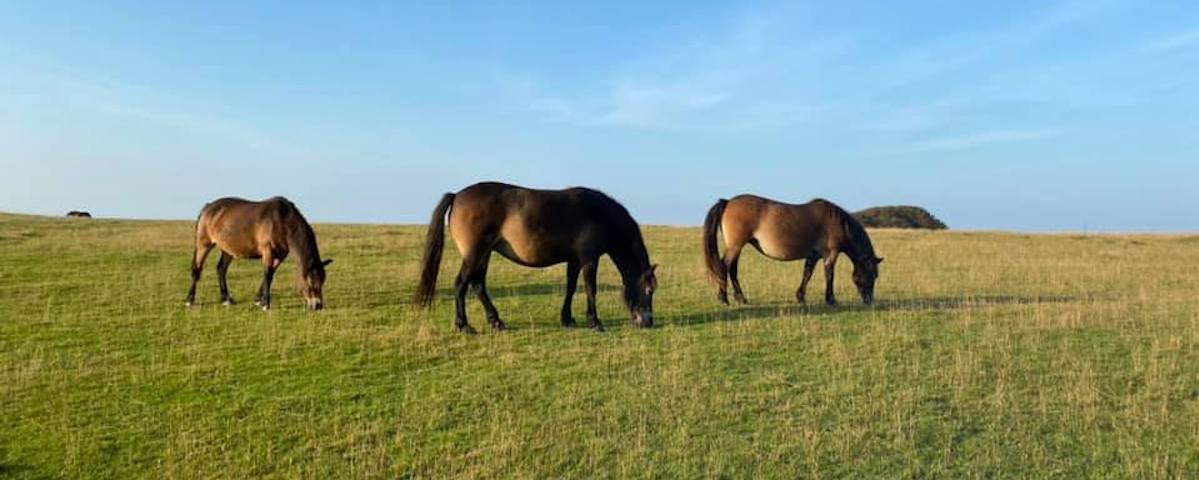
(782, 231)
(900, 216)
(270, 230)
(538, 228)
(78, 214)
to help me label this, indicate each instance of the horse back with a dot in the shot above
(780, 230)
(244, 228)
(529, 226)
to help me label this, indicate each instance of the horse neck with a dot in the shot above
(856, 244)
(631, 261)
(302, 241)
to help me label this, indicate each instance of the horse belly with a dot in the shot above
(240, 249)
(518, 244)
(783, 247)
(239, 242)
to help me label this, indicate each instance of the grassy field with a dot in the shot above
(989, 354)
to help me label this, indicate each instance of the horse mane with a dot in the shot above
(616, 216)
(300, 237)
(853, 229)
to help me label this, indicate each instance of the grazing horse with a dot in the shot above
(538, 228)
(78, 214)
(270, 230)
(783, 231)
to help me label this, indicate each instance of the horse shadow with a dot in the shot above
(529, 289)
(389, 298)
(7, 470)
(754, 311)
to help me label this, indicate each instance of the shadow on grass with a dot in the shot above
(7, 470)
(720, 313)
(385, 298)
(531, 289)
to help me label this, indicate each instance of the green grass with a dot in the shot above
(990, 354)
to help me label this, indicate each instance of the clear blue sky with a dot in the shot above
(1026, 115)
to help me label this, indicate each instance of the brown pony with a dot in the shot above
(269, 230)
(538, 228)
(78, 214)
(782, 231)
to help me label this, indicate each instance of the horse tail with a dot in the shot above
(716, 269)
(196, 235)
(434, 243)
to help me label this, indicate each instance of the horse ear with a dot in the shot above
(326, 262)
(878, 260)
(648, 280)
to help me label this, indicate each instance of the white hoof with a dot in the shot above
(227, 303)
(188, 304)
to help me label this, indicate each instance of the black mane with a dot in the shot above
(300, 237)
(859, 240)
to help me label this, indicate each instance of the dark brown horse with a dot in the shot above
(270, 230)
(78, 214)
(782, 231)
(538, 228)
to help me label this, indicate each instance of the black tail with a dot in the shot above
(431, 262)
(716, 270)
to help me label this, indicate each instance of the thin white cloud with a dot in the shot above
(659, 105)
(1177, 41)
(89, 91)
(710, 84)
(766, 72)
(979, 139)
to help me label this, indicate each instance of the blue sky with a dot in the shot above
(1023, 115)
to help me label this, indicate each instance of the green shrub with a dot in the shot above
(899, 217)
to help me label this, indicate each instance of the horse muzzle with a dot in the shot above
(643, 320)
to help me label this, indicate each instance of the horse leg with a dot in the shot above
(461, 286)
(262, 298)
(479, 280)
(722, 284)
(270, 264)
(222, 269)
(572, 283)
(733, 259)
(198, 258)
(590, 268)
(809, 266)
(830, 269)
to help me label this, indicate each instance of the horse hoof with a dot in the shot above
(598, 327)
(266, 308)
(227, 302)
(499, 326)
(569, 323)
(188, 304)
(467, 329)
(723, 298)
